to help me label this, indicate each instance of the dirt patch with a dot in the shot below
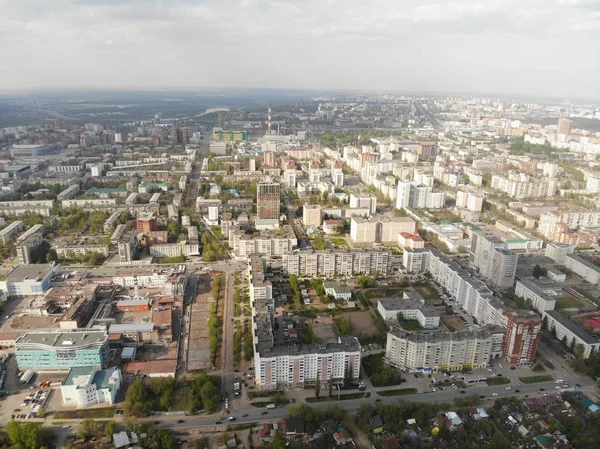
(452, 322)
(361, 322)
(322, 327)
(34, 322)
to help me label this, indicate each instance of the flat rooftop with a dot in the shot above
(30, 272)
(61, 338)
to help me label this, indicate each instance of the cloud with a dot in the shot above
(507, 46)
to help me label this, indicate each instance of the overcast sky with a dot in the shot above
(535, 47)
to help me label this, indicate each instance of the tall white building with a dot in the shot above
(330, 263)
(361, 200)
(433, 352)
(490, 257)
(312, 215)
(380, 229)
(413, 195)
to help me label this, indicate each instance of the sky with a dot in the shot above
(548, 48)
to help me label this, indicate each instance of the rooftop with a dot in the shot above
(61, 338)
(22, 272)
(572, 327)
(406, 305)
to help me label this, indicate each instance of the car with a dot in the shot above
(499, 375)
(494, 394)
(264, 413)
(17, 410)
(179, 421)
(542, 389)
(462, 392)
(66, 426)
(156, 422)
(507, 388)
(513, 367)
(219, 422)
(517, 391)
(577, 386)
(231, 418)
(481, 397)
(557, 387)
(546, 393)
(559, 381)
(245, 415)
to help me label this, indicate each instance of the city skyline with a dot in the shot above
(436, 47)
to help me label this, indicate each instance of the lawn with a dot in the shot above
(412, 325)
(93, 413)
(343, 397)
(398, 392)
(497, 381)
(339, 242)
(382, 292)
(427, 292)
(535, 379)
(538, 368)
(567, 302)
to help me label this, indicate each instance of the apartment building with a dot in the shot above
(472, 201)
(520, 185)
(574, 220)
(523, 332)
(582, 267)
(414, 260)
(29, 241)
(337, 173)
(267, 200)
(311, 215)
(363, 200)
(61, 349)
(490, 257)
(337, 262)
(89, 202)
(568, 332)
(530, 291)
(267, 243)
(11, 230)
(433, 352)
(68, 193)
(380, 229)
(416, 196)
(293, 365)
(80, 250)
(558, 252)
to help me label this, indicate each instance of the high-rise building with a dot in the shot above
(380, 229)
(411, 194)
(269, 158)
(314, 173)
(564, 126)
(267, 200)
(360, 200)
(145, 224)
(522, 336)
(337, 174)
(491, 258)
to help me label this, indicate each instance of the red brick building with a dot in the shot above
(522, 336)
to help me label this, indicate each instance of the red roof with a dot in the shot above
(594, 322)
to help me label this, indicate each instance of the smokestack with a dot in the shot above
(269, 121)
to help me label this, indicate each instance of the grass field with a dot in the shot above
(339, 242)
(93, 413)
(398, 392)
(427, 292)
(497, 381)
(382, 292)
(411, 325)
(535, 379)
(567, 302)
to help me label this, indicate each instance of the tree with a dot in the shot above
(330, 386)
(210, 397)
(86, 428)
(317, 386)
(537, 271)
(400, 317)
(124, 216)
(28, 435)
(137, 401)
(50, 256)
(110, 428)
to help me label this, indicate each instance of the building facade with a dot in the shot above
(267, 201)
(523, 333)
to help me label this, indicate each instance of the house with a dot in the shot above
(338, 290)
(123, 439)
(294, 426)
(342, 437)
(391, 442)
(376, 424)
(479, 413)
(266, 433)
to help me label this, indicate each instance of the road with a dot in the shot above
(227, 348)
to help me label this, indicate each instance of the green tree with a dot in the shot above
(319, 243)
(50, 256)
(28, 435)
(537, 271)
(110, 428)
(210, 397)
(400, 317)
(86, 428)
(317, 386)
(137, 400)
(124, 217)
